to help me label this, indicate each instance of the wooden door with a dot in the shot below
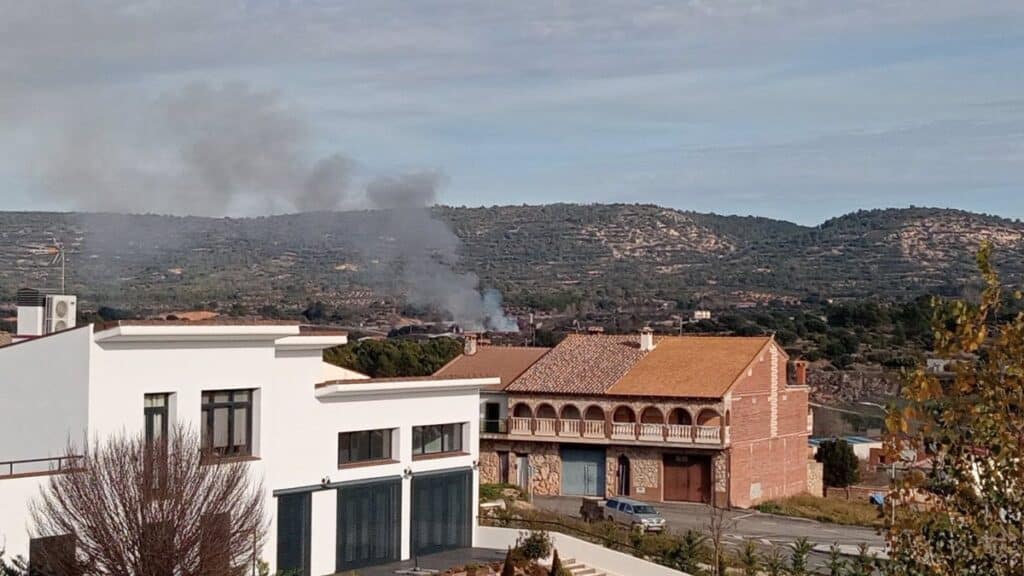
(687, 478)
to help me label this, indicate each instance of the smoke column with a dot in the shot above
(231, 150)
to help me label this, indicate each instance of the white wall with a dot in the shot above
(15, 496)
(301, 441)
(44, 386)
(295, 434)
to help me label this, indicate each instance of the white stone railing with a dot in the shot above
(593, 429)
(545, 426)
(652, 431)
(569, 428)
(521, 426)
(679, 433)
(707, 434)
(599, 429)
(623, 430)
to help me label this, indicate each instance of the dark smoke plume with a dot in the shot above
(231, 150)
(427, 251)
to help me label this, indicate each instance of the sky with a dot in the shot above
(794, 109)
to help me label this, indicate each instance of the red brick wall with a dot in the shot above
(763, 467)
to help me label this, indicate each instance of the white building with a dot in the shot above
(358, 471)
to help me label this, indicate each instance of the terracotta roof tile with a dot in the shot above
(505, 362)
(581, 364)
(690, 366)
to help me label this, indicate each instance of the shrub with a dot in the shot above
(489, 492)
(534, 545)
(841, 466)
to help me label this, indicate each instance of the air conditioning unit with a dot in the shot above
(61, 312)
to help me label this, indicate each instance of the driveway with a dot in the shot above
(765, 529)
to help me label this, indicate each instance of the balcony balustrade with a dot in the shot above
(569, 428)
(602, 430)
(623, 431)
(707, 434)
(545, 426)
(593, 429)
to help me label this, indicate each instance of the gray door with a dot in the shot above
(294, 519)
(442, 510)
(523, 471)
(369, 524)
(583, 471)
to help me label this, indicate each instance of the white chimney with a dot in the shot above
(646, 340)
(469, 345)
(31, 312)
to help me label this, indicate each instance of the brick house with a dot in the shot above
(688, 418)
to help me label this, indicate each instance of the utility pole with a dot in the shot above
(892, 466)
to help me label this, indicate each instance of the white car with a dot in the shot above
(635, 514)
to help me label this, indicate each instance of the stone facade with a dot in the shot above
(815, 478)
(545, 464)
(644, 471)
(490, 467)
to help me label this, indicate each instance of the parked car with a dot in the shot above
(635, 514)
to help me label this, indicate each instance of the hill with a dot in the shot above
(561, 256)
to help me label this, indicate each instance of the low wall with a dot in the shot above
(859, 493)
(594, 556)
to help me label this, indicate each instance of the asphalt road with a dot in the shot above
(741, 525)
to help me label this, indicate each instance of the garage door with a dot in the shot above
(369, 524)
(687, 478)
(583, 471)
(441, 511)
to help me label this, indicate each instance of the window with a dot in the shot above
(364, 446)
(227, 422)
(437, 439)
(155, 411)
(156, 417)
(52, 555)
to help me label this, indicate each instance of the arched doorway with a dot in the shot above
(624, 476)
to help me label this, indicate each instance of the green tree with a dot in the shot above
(841, 467)
(971, 425)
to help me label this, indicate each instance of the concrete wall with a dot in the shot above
(44, 388)
(15, 496)
(594, 556)
(301, 442)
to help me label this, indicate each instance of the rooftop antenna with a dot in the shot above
(57, 250)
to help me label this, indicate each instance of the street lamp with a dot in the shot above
(892, 469)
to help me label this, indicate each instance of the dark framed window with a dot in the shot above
(364, 446)
(156, 415)
(437, 439)
(227, 422)
(155, 409)
(52, 556)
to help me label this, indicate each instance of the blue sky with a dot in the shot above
(789, 109)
